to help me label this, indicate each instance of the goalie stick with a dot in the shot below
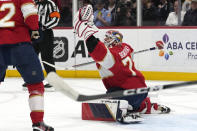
(63, 87)
(91, 62)
(58, 67)
(150, 49)
(159, 45)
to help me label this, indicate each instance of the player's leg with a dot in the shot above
(46, 48)
(147, 107)
(36, 47)
(141, 103)
(134, 104)
(3, 65)
(30, 69)
(134, 100)
(2, 73)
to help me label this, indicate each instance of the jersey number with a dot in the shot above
(5, 21)
(127, 61)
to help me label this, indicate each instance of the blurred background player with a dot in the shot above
(102, 17)
(17, 17)
(172, 19)
(190, 18)
(115, 64)
(48, 18)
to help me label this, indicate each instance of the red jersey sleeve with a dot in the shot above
(29, 11)
(102, 55)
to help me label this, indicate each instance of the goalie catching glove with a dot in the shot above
(83, 23)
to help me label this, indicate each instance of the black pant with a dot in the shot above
(45, 47)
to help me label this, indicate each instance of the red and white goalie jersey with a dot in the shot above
(17, 17)
(116, 66)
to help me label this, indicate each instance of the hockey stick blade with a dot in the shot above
(63, 87)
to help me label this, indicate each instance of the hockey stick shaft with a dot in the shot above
(91, 62)
(58, 67)
(67, 68)
(62, 86)
(150, 49)
(83, 64)
(87, 63)
(136, 91)
(180, 84)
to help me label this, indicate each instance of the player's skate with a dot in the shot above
(131, 118)
(153, 108)
(41, 126)
(163, 109)
(158, 109)
(49, 88)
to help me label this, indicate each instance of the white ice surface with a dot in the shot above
(64, 114)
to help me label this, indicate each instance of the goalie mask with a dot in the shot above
(113, 38)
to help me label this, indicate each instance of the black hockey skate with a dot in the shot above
(49, 88)
(24, 85)
(41, 126)
(164, 109)
(131, 118)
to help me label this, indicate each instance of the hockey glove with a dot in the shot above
(83, 23)
(35, 35)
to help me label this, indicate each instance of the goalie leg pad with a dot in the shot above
(95, 111)
(104, 110)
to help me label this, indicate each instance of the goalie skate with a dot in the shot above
(131, 118)
(41, 126)
(164, 109)
(147, 107)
